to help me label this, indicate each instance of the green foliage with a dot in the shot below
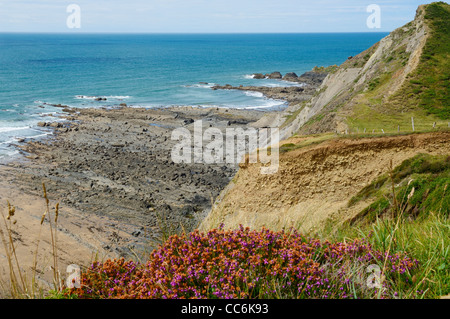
(429, 84)
(373, 84)
(328, 69)
(425, 239)
(369, 190)
(317, 118)
(421, 228)
(287, 147)
(63, 294)
(426, 190)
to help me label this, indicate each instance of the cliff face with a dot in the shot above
(315, 182)
(390, 60)
(373, 91)
(405, 75)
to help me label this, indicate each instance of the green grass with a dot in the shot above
(422, 180)
(293, 116)
(370, 118)
(317, 118)
(417, 221)
(425, 95)
(328, 69)
(429, 85)
(311, 140)
(427, 240)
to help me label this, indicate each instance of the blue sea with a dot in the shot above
(151, 70)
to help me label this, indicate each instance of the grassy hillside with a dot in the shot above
(410, 213)
(425, 92)
(429, 85)
(404, 76)
(422, 190)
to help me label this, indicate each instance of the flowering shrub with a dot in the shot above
(243, 263)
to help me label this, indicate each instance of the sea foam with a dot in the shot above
(112, 97)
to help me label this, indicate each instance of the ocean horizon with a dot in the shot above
(150, 70)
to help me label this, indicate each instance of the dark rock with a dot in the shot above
(275, 75)
(312, 78)
(198, 200)
(68, 110)
(259, 76)
(136, 233)
(56, 124)
(290, 76)
(187, 211)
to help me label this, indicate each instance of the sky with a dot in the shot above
(203, 16)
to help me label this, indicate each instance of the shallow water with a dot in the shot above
(150, 71)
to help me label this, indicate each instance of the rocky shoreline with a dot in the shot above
(115, 164)
(293, 95)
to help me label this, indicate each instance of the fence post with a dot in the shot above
(412, 120)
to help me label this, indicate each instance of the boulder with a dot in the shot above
(312, 78)
(57, 105)
(290, 76)
(275, 75)
(56, 124)
(259, 76)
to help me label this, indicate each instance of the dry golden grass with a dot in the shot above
(17, 285)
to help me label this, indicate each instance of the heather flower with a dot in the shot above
(245, 264)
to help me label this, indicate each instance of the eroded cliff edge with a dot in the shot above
(356, 123)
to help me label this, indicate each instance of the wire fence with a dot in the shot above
(413, 126)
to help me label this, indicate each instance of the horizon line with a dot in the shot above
(188, 33)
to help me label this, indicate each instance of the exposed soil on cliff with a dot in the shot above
(316, 182)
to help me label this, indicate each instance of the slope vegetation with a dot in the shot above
(316, 182)
(406, 75)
